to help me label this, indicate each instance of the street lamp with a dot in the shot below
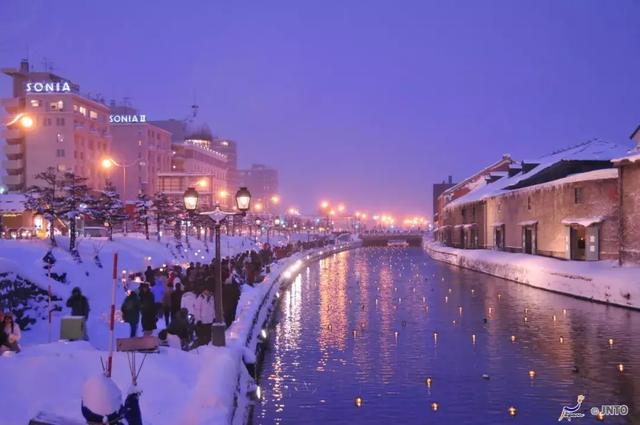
(243, 203)
(190, 199)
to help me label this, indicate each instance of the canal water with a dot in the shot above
(373, 324)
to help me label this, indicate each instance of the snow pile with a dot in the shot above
(602, 281)
(101, 395)
(206, 386)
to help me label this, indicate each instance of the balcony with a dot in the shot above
(12, 104)
(14, 149)
(14, 133)
(13, 164)
(15, 180)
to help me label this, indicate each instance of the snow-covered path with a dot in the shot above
(602, 281)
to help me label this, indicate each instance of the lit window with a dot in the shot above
(35, 103)
(93, 115)
(82, 110)
(75, 108)
(60, 138)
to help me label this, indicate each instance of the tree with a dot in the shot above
(109, 208)
(62, 197)
(143, 206)
(164, 210)
(75, 201)
(43, 199)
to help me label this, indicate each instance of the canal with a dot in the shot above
(369, 327)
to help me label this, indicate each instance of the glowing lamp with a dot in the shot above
(243, 199)
(512, 411)
(435, 406)
(26, 121)
(190, 199)
(358, 401)
(532, 374)
(107, 163)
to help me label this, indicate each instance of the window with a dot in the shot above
(59, 122)
(56, 106)
(35, 103)
(82, 110)
(60, 153)
(47, 122)
(93, 115)
(528, 202)
(59, 138)
(75, 108)
(577, 195)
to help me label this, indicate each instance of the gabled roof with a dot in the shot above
(580, 158)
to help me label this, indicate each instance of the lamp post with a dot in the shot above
(190, 199)
(218, 216)
(107, 163)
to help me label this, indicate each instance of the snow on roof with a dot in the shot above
(12, 203)
(476, 179)
(528, 223)
(586, 222)
(590, 150)
(633, 156)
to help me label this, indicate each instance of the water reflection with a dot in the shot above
(394, 301)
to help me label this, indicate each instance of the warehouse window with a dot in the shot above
(577, 195)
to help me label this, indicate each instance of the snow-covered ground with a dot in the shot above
(204, 386)
(602, 281)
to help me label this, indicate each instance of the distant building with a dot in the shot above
(52, 125)
(438, 189)
(262, 182)
(197, 163)
(140, 151)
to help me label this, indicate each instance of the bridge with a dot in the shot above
(387, 238)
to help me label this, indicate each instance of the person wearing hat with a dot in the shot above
(78, 303)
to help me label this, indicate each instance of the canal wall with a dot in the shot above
(246, 336)
(600, 281)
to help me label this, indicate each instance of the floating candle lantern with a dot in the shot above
(435, 406)
(513, 338)
(428, 381)
(512, 411)
(532, 374)
(358, 401)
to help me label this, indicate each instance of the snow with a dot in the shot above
(12, 203)
(591, 150)
(528, 223)
(633, 156)
(586, 222)
(602, 281)
(101, 395)
(205, 386)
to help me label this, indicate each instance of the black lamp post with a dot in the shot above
(190, 199)
(243, 203)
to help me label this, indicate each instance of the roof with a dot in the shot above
(12, 203)
(478, 175)
(599, 152)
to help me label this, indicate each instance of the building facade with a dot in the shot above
(140, 152)
(195, 163)
(261, 180)
(565, 205)
(51, 124)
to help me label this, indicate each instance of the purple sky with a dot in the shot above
(367, 102)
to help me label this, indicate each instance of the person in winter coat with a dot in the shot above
(158, 295)
(148, 310)
(166, 303)
(188, 301)
(204, 316)
(180, 326)
(12, 333)
(131, 311)
(176, 298)
(230, 298)
(78, 303)
(149, 275)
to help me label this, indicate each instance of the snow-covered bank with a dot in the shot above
(204, 386)
(602, 281)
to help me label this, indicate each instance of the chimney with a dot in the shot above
(24, 66)
(450, 179)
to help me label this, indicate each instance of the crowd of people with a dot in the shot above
(183, 298)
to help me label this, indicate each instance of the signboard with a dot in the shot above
(127, 119)
(48, 87)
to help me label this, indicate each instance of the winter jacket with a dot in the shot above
(176, 299)
(79, 305)
(12, 332)
(179, 326)
(230, 297)
(148, 310)
(205, 311)
(188, 301)
(131, 308)
(149, 275)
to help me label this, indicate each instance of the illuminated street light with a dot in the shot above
(190, 199)
(26, 121)
(243, 200)
(107, 163)
(275, 199)
(203, 183)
